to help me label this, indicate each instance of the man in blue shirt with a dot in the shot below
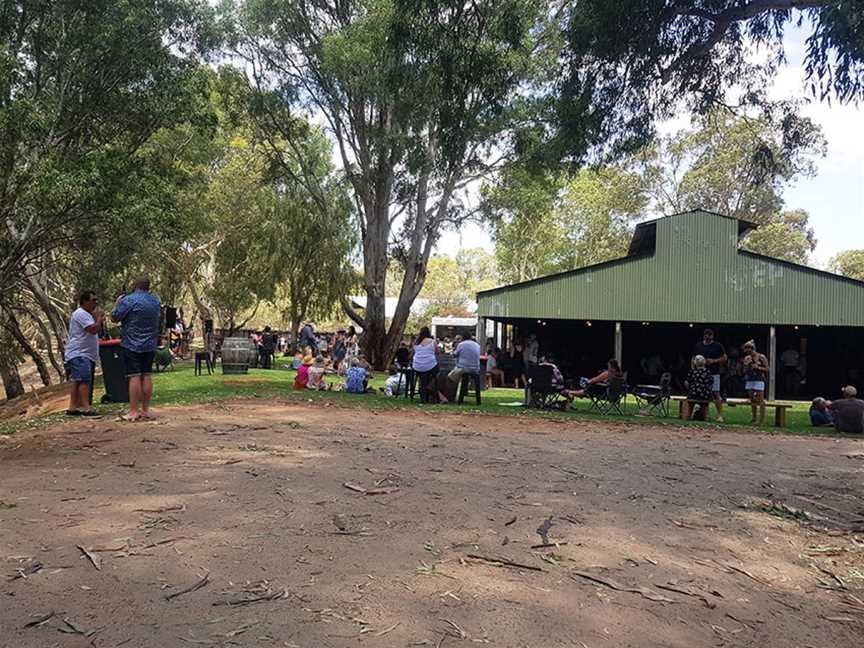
(139, 314)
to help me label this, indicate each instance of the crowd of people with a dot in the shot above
(326, 362)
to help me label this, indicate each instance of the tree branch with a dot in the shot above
(723, 20)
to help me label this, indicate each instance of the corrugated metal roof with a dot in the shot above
(696, 273)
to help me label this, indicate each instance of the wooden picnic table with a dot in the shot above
(685, 405)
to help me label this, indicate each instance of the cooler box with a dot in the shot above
(113, 372)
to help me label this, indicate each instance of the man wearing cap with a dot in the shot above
(715, 358)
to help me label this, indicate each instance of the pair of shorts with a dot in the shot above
(755, 385)
(138, 363)
(715, 387)
(80, 369)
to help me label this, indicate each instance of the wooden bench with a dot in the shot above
(685, 406)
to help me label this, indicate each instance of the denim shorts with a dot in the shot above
(138, 363)
(79, 369)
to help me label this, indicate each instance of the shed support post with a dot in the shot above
(772, 363)
(619, 343)
(481, 332)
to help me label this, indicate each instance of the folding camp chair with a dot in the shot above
(613, 399)
(654, 398)
(540, 391)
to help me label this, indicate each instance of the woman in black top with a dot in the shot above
(517, 363)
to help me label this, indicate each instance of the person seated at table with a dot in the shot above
(820, 413)
(302, 378)
(316, 374)
(699, 386)
(612, 371)
(848, 412)
(493, 371)
(557, 379)
(357, 377)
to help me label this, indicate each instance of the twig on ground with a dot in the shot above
(191, 588)
(24, 572)
(95, 560)
(388, 630)
(503, 562)
(70, 627)
(644, 592)
(674, 587)
(548, 545)
(163, 509)
(270, 596)
(38, 621)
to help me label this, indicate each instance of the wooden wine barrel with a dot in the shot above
(235, 355)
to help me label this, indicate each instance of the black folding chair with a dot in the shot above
(541, 393)
(613, 399)
(654, 399)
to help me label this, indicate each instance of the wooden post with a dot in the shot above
(619, 343)
(481, 332)
(772, 363)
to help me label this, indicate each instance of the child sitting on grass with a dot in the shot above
(357, 377)
(316, 375)
(302, 379)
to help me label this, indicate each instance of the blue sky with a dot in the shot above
(834, 197)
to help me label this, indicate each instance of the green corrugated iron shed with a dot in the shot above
(686, 268)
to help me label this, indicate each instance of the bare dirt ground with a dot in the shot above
(661, 541)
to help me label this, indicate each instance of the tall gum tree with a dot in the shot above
(421, 99)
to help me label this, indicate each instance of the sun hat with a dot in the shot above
(307, 360)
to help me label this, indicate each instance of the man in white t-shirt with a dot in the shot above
(82, 350)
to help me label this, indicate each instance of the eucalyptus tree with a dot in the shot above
(421, 98)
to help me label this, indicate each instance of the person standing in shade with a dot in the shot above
(715, 358)
(267, 348)
(531, 354)
(755, 374)
(139, 314)
(82, 351)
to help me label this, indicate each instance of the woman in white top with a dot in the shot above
(425, 363)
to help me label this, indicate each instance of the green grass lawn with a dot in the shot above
(181, 386)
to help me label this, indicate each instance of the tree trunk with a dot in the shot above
(204, 311)
(55, 320)
(14, 329)
(58, 366)
(11, 380)
(9, 365)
